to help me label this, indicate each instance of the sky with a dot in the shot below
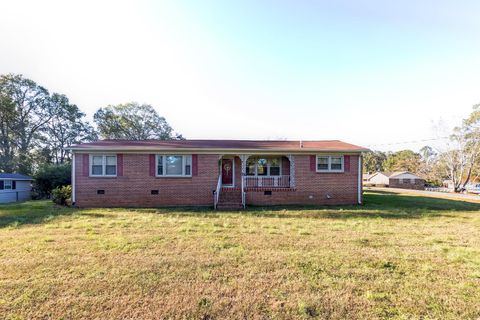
(374, 73)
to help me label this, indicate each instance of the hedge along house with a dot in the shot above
(15, 187)
(222, 173)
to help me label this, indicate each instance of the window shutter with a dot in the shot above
(346, 163)
(14, 184)
(86, 168)
(1, 184)
(312, 163)
(194, 165)
(152, 165)
(119, 165)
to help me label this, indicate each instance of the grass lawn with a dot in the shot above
(399, 256)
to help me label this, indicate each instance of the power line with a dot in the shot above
(407, 142)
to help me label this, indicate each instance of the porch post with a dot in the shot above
(243, 158)
(291, 158)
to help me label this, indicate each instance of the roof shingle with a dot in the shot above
(267, 145)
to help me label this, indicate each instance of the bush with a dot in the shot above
(60, 195)
(49, 177)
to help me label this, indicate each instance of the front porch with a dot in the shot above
(239, 174)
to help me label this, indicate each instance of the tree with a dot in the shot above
(66, 128)
(132, 121)
(373, 161)
(7, 136)
(405, 160)
(32, 110)
(51, 176)
(462, 154)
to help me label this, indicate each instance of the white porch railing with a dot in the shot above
(216, 195)
(266, 181)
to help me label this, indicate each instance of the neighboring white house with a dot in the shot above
(15, 187)
(378, 178)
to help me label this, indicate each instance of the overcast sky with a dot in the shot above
(367, 72)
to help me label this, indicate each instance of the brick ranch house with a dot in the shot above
(225, 174)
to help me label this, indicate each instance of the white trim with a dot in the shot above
(104, 166)
(164, 166)
(329, 156)
(360, 179)
(233, 173)
(73, 178)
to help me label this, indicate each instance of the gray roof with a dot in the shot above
(14, 176)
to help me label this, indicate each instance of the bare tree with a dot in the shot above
(463, 151)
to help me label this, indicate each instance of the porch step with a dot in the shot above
(229, 206)
(231, 200)
(230, 197)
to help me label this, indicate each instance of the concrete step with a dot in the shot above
(229, 206)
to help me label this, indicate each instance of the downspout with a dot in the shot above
(73, 178)
(360, 179)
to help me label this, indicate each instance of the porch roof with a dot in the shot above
(221, 145)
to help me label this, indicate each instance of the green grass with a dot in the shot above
(399, 256)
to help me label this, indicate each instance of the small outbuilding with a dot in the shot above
(399, 179)
(15, 187)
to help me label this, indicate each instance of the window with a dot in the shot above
(103, 165)
(7, 184)
(263, 166)
(274, 165)
(262, 169)
(336, 163)
(174, 166)
(251, 165)
(322, 163)
(329, 163)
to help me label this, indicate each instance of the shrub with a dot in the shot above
(49, 177)
(60, 195)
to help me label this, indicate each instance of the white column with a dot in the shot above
(243, 158)
(291, 158)
(73, 177)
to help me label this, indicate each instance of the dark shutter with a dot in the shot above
(1, 184)
(119, 165)
(194, 165)
(152, 165)
(346, 163)
(312, 163)
(85, 165)
(14, 184)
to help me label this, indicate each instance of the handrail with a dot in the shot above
(216, 195)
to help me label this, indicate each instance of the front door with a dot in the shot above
(227, 172)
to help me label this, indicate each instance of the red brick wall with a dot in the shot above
(419, 184)
(313, 187)
(133, 189)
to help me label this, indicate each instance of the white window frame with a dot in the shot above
(104, 165)
(330, 156)
(164, 164)
(268, 166)
(5, 184)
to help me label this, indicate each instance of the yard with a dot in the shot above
(399, 256)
